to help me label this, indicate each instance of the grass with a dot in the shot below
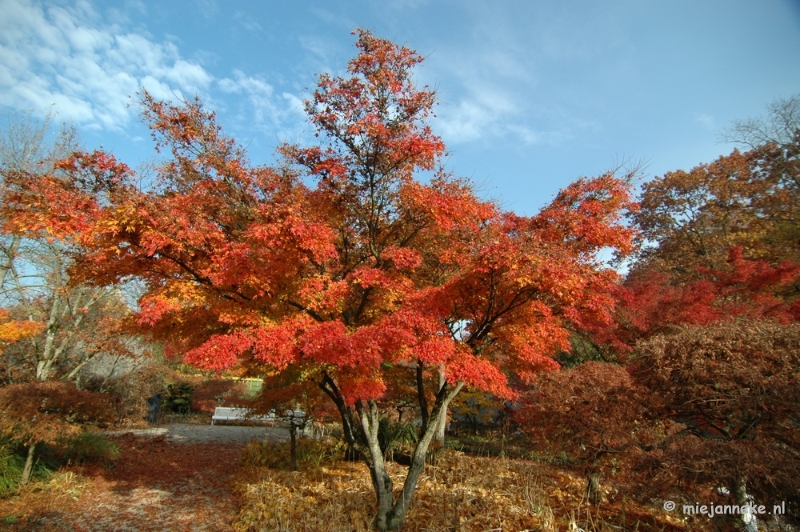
(90, 446)
(12, 461)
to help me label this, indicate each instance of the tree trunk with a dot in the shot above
(292, 444)
(593, 493)
(391, 514)
(328, 386)
(748, 516)
(11, 254)
(28, 469)
(442, 424)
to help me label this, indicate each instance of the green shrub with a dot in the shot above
(90, 447)
(179, 397)
(396, 436)
(11, 465)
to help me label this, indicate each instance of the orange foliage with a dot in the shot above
(14, 330)
(367, 270)
(745, 200)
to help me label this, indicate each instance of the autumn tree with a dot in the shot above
(75, 323)
(746, 199)
(369, 276)
(775, 143)
(653, 303)
(595, 412)
(733, 389)
(690, 219)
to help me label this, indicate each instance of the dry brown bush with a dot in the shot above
(734, 388)
(131, 390)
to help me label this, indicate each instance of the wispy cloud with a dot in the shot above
(52, 55)
(247, 21)
(280, 114)
(707, 121)
(67, 58)
(487, 111)
(494, 79)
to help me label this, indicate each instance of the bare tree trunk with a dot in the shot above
(442, 423)
(593, 493)
(391, 514)
(292, 443)
(28, 469)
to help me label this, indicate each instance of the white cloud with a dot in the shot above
(707, 121)
(68, 60)
(276, 114)
(247, 21)
(60, 56)
(486, 112)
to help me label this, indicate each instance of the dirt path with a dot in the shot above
(177, 479)
(182, 433)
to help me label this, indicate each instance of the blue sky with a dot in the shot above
(532, 94)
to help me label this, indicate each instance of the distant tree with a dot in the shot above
(749, 200)
(294, 400)
(778, 128)
(653, 303)
(12, 331)
(594, 412)
(76, 323)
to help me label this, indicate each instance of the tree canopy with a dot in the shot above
(365, 276)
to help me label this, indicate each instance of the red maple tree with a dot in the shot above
(368, 275)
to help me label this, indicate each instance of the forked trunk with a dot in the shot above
(391, 513)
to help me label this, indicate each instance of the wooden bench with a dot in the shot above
(226, 413)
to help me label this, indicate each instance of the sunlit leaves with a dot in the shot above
(746, 200)
(15, 330)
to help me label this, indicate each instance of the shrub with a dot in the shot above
(179, 397)
(130, 391)
(12, 462)
(11, 465)
(208, 394)
(396, 436)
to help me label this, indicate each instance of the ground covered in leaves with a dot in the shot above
(161, 485)
(155, 485)
(456, 493)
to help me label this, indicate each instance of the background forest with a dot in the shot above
(360, 279)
